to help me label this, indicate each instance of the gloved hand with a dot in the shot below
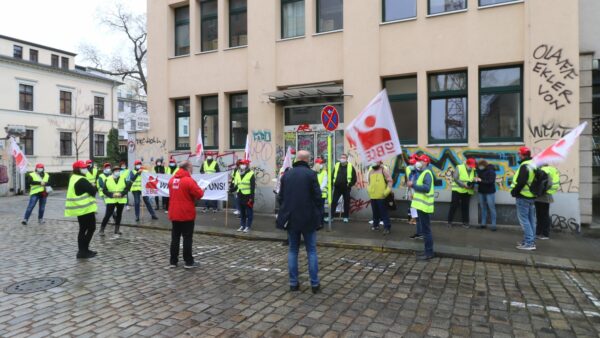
(513, 193)
(116, 194)
(250, 203)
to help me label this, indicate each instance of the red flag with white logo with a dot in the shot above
(559, 151)
(373, 132)
(199, 146)
(20, 159)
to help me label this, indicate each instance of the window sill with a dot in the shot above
(329, 32)
(207, 52)
(502, 4)
(178, 56)
(448, 145)
(484, 144)
(292, 38)
(397, 21)
(236, 47)
(447, 13)
(409, 145)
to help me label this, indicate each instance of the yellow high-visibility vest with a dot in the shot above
(117, 186)
(424, 201)
(78, 205)
(38, 188)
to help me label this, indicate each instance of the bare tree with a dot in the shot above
(81, 130)
(133, 26)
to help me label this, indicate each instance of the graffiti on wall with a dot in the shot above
(261, 135)
(262, 154)
(554, 70)
(548, 130)
(565, 224)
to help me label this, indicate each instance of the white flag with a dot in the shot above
(199, 146)
(287, 161)
(247, 149)
(559, 151)
(20, 159)
(373, 132)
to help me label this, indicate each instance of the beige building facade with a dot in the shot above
(472, 78)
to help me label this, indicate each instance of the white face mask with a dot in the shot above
(159, 164)
(318, 167)
(172, 165)
(84, 171)
(116, 174)
(123, 167)
(243, 167)
(209, 158)
(39, 170)
(106, 171)
(419, 165)
(137, 167)
(481, 167)
(343, 160)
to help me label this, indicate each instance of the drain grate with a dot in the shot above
(35, 285)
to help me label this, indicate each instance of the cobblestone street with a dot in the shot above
(241, 290)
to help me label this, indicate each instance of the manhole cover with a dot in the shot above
(35, 285)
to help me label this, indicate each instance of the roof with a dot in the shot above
(36, 45)
(306, 93)
(76, 72)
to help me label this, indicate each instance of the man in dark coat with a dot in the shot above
(300, 214)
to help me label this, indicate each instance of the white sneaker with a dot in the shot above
(326, 219)
(128, 208)
(346, 220)
(371, 222)
(166, 211)
(240, 229)
(246, 230)
(41, 221)
(235, 212)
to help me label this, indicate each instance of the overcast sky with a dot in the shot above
(63, 24)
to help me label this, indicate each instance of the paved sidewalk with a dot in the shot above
(564, 250)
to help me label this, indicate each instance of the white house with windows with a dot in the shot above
(45, 92)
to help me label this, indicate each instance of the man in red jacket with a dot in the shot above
(183, 193)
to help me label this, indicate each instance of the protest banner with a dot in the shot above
(217, 185)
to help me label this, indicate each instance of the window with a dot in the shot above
(448, 108)
(25, 97)
(27, 142)
(121, 106)
(65, 144)
(494, 2)
(402, 93)
(54, 60)
(123, 149)
(99, 145)
(33, 55)
(292, 18)
(209, 31)
(442, 6)
(64, 63)
(309, 114)
(238, 115)
(182, 30)
(133, 125)
(399, 9)
(238, 23)
(17, 52)
(501, 104)
(210, 122)
(121, 124)
(65, 102)
(330, 15)
(182, 124)
(99, 107)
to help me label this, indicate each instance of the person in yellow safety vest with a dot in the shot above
(321, 171)
(170, 170)
(423, 200)
(92, 174)
(380, 186)
(525, 199)
(462, 189)
(542, 203)
(37, 181)
(125, 173)
(246, 184)
(409, 171)
(135, 181)
(115, 189)
(233, 188)
(159, 169)
(81, 203)
(106, 171)
(210, 166)
(344, 178)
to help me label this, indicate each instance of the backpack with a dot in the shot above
(541, 182)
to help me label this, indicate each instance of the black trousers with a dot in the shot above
(87, 226)
(185, 230)
(165, 203)
(156, 198)
(542, 214)
(337, 192)
(110, 209)
(461, 199)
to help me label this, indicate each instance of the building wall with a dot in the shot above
(359, 57)
(44, 55)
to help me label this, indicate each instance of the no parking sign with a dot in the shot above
(330, 118)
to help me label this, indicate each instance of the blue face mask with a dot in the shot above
(116, 174)
(106, 171)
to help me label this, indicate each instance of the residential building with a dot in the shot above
(45, 92)
(466, 78)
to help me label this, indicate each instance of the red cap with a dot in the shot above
(414, 156)
(137, 162)
(524, 151)
(172, 160)
(412, 160)
(88, 162)
(425, 159)
(79, 165)
(246, 162)
(106, 165)
(319, 160)
(39, 166)
(293, 152)
(471, 162)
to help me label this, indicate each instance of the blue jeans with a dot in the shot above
(33, 199)
(425, 223)
(419, 228)
(137, 202)
(487, 202)
(246, 216)
(380, 213)
(526, 214)
(310, 242)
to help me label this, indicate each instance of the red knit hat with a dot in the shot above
(39, 166)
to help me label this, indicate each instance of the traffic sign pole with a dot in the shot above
(330, 119)
(329, 183)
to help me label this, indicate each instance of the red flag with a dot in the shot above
(559, 151)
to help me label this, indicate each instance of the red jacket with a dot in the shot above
(183, 193)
